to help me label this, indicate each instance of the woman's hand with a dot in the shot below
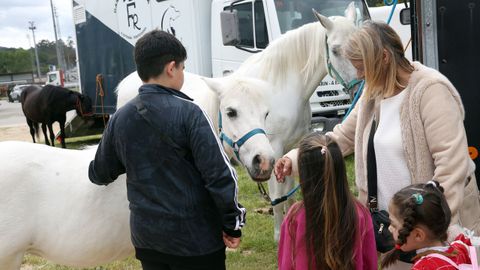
(283, 167)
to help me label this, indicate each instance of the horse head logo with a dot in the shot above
(168, 18)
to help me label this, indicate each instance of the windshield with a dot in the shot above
(295, 13)
(52, 77)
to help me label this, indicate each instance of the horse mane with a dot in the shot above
(249, 86)
(296, 49)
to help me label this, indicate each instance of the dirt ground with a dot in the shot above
(19, 133)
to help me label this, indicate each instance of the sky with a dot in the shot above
(15, 15)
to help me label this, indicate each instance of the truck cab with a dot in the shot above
(55, 77)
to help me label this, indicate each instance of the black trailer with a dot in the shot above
(104, 59)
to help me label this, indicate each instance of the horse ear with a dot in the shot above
(216, 84)
(351, 12)
(326, 22)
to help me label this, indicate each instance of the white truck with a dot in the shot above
(68, 79)
(106, 33)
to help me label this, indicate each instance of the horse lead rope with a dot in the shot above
(276, 201)
(101, 93)
(78, 105)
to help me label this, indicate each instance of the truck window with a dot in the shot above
(52, 77)
(261, 34)
(252, 24)
(295, 13)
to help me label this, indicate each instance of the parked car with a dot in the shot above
(16, 92)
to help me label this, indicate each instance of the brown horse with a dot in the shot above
(50, 104)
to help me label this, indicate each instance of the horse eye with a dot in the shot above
(231, 113)
(336, 50)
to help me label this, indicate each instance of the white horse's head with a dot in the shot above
(243, 111)
(338, 30)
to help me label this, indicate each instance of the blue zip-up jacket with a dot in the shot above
(179, 204)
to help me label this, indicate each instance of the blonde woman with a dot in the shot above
(419, 134)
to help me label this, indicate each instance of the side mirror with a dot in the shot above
(405, 16)
(229, 25)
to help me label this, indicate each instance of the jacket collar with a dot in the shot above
(156, 88)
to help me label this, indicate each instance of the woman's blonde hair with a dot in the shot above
(368, 45)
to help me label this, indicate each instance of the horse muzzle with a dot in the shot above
(261, 168)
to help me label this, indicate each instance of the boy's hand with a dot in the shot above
(231, 242)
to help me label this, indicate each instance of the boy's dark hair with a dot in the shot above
(154, 50)
(431, 210)
(330, 210)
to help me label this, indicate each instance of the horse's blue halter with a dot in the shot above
(334, 73)
(236, 148)
(236, 145)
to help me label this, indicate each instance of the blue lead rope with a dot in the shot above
(390, 3)
(355, 99)
(285, 197)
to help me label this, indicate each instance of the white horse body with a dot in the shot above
(50, 208)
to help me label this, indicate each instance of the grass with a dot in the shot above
(258, 250)
(79, 142)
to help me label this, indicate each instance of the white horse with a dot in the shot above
(294, 65)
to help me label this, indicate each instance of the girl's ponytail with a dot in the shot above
(409, 222)
(330, 211)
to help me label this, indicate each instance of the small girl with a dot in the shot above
(419, 219)
(329, 229)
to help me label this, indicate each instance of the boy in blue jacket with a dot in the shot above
(181, 187)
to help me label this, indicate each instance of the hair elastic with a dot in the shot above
(324, 150)
(433, 183)
(418, 198)
(398, 247)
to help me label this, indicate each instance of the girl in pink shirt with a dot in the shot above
(329, 229)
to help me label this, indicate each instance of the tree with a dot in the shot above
(15, 61)
(19, 60)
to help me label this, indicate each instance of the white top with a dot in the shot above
(392, 170)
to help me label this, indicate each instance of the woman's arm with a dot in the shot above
(344, 133)
(442, 118)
